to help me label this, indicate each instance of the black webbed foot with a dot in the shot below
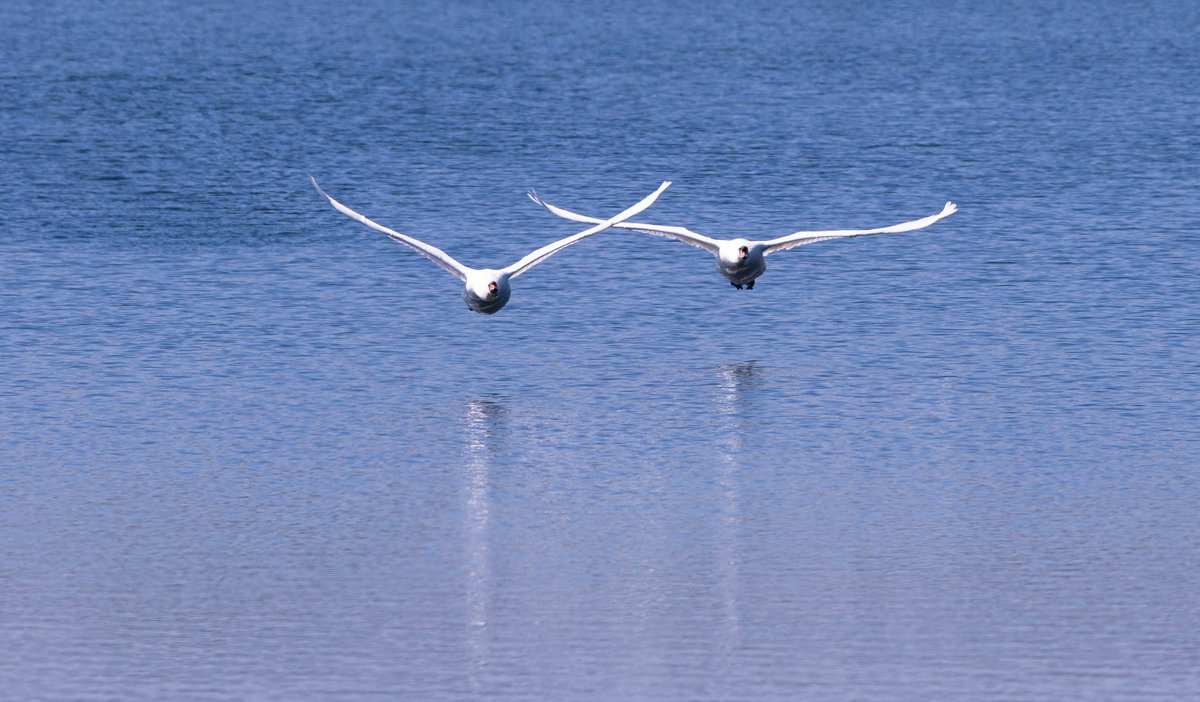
(750, 285)
(735, 285)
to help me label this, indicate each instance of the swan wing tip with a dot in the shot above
(318, 187)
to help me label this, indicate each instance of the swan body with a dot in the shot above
(740, 260)
(738, 268)
(479, 294)
(486, 290)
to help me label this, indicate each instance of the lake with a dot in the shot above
(252, 450)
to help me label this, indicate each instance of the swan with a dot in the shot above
(486, 290)
(741, 261)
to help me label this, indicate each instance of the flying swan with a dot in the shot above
(741, 261)
(486, 290)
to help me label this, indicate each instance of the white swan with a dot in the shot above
(741, 261)
(486, 290)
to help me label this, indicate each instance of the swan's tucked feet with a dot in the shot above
(735, 285)
(750, 285)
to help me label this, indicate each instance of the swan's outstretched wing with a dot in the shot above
(687, 236)
(799, 238)
(432, 253)
(536, 257)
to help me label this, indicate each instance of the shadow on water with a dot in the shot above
(736, 386)
(485, 425)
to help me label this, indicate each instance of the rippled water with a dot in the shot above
(253, 450)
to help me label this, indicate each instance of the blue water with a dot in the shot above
(251, 450)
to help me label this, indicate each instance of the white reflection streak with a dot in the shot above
(734, 382)
(481, 414)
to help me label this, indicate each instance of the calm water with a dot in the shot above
(252, 450)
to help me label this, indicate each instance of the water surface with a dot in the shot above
(253, 450)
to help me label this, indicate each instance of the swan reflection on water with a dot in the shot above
(484, 430)
(736, 384)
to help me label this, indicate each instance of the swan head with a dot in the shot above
(492, 290)
(743, 252)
